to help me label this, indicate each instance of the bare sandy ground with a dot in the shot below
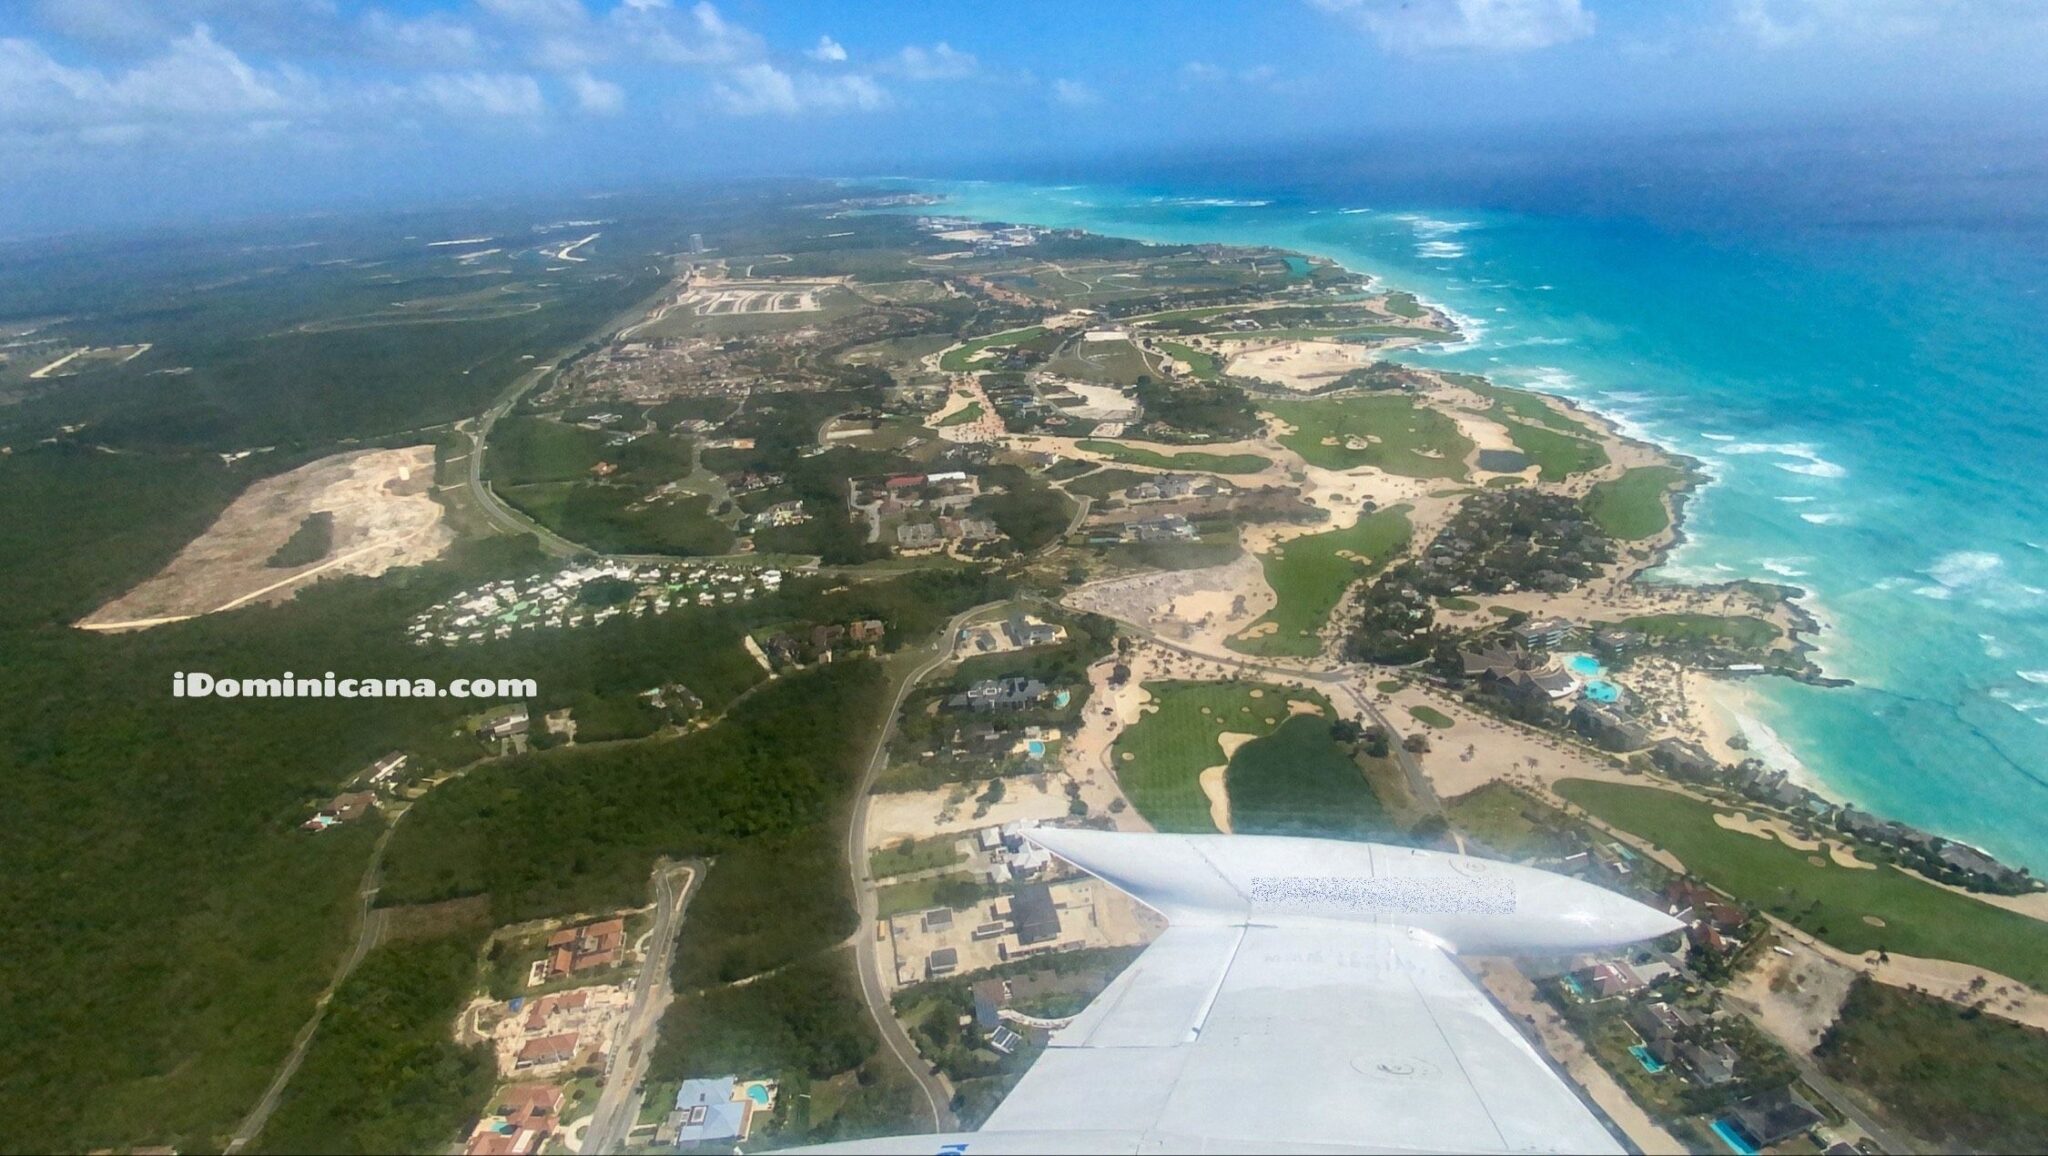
(1196, 606)
(1301, 365)
(1959, 983)
(1794, 998)
(950, 810)
(1212, 778)
(384, 517)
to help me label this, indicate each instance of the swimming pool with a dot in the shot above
(1572, 982)
(758, 1094)
(1584, 665)
(1650, 1063)
(1035, 748)
(1061, 699)
(1601, 690)
(1732, 1138)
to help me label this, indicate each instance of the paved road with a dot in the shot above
(618, 1106)
(369, 928)
(938, 1095)
(500, 514)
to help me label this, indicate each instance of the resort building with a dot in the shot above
(521, 1119)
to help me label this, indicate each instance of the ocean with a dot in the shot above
(1868, 392)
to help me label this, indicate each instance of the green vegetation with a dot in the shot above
(1631, 507)
(1389, 685)
(526, 450)
(1430, 716)
(1389, 432)
(1105, 362)
(1192, 460)
(1557, 456)
(308, 544)
(1817, 896)
(1453, 602)
(909, 856)
(971, 413)
(1310, 575)
(1402, 304)
(1965, 1080)
(383, 1074)
(1106, 481)
(1742, 630)
(1032, 513)
(615, 520)
(1202, 365)
(1522, 405)
(961, 360)
(955, 889)
(1159, 759)
(1511, 822)
(1197, 410)
(1299, 780)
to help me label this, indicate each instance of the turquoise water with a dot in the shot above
(1868, 401)
(1601, 690)
(1728, 1135)
(1650, 1063)
(1585, 665)
(757, 1094)
(1036, 748)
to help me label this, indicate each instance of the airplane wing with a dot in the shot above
(1304, 999)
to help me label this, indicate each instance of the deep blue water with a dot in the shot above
(1867, 391)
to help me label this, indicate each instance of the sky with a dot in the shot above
(138, 111)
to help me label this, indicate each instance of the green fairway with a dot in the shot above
(960, 360)
(1741, 630)
(1194, 460)
(1310, 576)
(1202, 365)
(1159, 760)
(1106, 481)
(908, 856)
(1827, 901)
(973, 412)
(1390, 433)
(525, 450)
(1631, 507)
(1557, 456)
(1521, 404)
(1299, 781)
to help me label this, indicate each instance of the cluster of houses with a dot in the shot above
(573, 950)
(344, 808)
(496, 609)
(790, 513)
(1169, 487)
(1017, 632)
(521, 1119)
(1166, 528)
(1001, 694)
(797, 647)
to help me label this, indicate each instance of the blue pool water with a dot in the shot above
(1584, 665)
(1877, 444)
(1036, 748)
(1062, 698)
(1573, 984)
(1732, 1138)
(1601, 690)
(1650, 1063)
(757, 1094)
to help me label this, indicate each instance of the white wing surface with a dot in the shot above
(1305, 999)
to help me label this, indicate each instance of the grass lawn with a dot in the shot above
(1159, 760)
(1967, 1082)
(1194, 460)
(1557, 456)
(1742, 630)
(962, 416)
(1525, 406)
(524, 450)
(1508, 822)
(1310, 575)
(958, 360)
(1453, 602)
(1107, 362)
(1390, 433)
(1106, 481)
(1632, 506)
(906, 856)
(947, 890)
(1202, 365)
(1299, 781)
(1389, 685)
(1430, 716)
(1826, 901)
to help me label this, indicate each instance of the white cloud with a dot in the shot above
(1074, 93)
(598, 97)
(466, 95)
(765, 90)
(939, 62)
(435, 40)
(828, 51)
(1424, 26)
(704, 38)
(1781, 23)
(538, 13)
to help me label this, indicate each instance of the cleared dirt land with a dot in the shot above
(383, 516)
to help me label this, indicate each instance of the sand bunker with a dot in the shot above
(384, 515)
(1772, 829)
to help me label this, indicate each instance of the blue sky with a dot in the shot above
(138, 110)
